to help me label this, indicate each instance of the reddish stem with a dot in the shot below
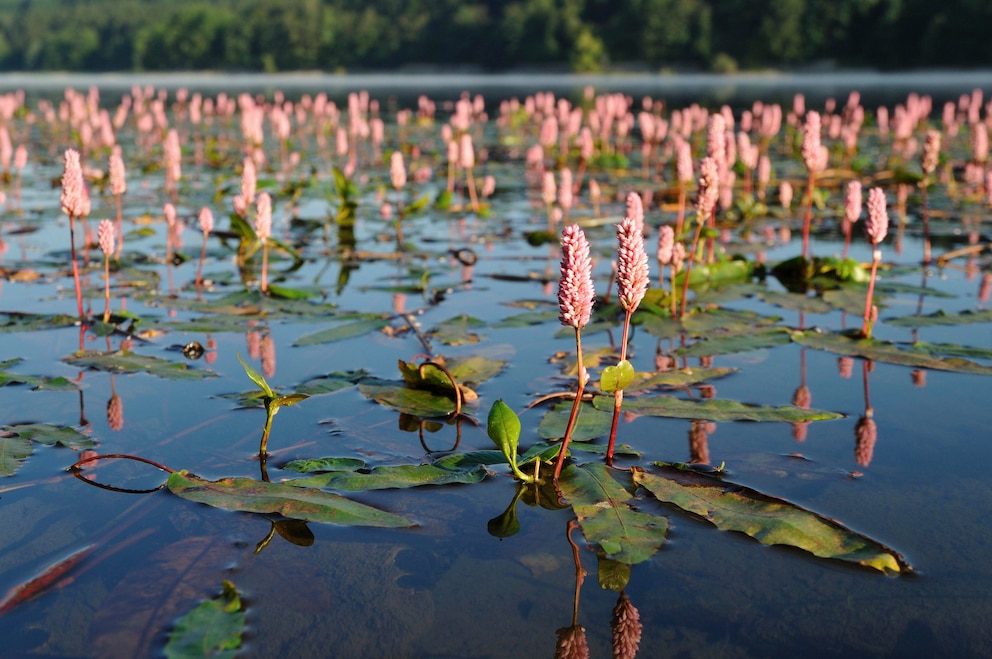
(866, 329)
(575, 406)
(618, 394)
(808, 217)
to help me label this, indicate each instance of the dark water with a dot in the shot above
(447, 587)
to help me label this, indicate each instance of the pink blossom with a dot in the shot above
(811, 141)
(635, 209)
(877, 224)
(852, 202)
(785, 195)
(72, 184)
(549, 190)
(206, 220)
(565, 189)
(105, 236)
(931, 152)
(632, 264)
(466, 153)
(118, 182)
(708, 192)
(575, 288)
(397, 170)
(263, 217)
(666, 242)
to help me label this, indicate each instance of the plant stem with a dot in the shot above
(808, 217)
(926, 222)
(866, 329)
(688, 267)
(270, 412)
(575, 406)
(265, 266)
(106, 288)
(75, 266)
(203, 255)
(618, 394)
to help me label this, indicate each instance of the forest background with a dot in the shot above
(492, 35)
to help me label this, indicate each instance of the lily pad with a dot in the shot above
(402, 398)
(725, 320)
(682, 377)
(714, 409)
(36, 382)
(248, 495)
(796, 302)
(769, 520)
(844, 344)
(326, 384)
(51, 435)
(457, 331)
(608, 515)
(28, 322)
(13, 452)
(124, 361)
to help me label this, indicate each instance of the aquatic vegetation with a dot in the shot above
(415, 311)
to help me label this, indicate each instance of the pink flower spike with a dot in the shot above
(852, 202)
(170, 213)
(397, 170)
(248, 182)
(666, 243)
(632, 264)
(72, 184)
(118, 182)
(575, 289)
(263, 217)
(708, 192)
(105, 236)
(877, 224)
(206, 220)
(635, 209)
(811, 141)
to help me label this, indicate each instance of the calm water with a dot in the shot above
(448, 587)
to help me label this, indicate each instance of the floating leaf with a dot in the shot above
(398, 396)
(51, 435)
(316, 465)
(951, 350)
(212, 629)
(36, 382)
(612, 575)
(617, 377)
(341, 332)
(757, 339)
(13, 452)
(589, 424)
(607, 515)
(528, 318)
(429, 376)
(123, 361)
(714, 409)
(682, 377)
(247, 495)
(796, 301)
(456, 331)
(326, 384)
(851, 299)
(26, 322)
(940, 318)
(391, 477)
(769, 520)
(725, 320)
(843, 344)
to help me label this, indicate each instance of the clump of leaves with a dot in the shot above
(271, 400)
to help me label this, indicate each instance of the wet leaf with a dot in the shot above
(431, 378)
(27, 322)
(123, 361)
(682, 377)
(851, 299)
(941, 319)
(212, 629)
(714, 409)
(503, 428)
(796, 302)
(769, 520)
(606, 512)
(36, 382)
(256, 377)
(326, 384)
(317, 465)
(400, 397)
(456, 331)
(528, 319)
(51, 435)
(617, 377)
(13, 452)
(951, 350)
(612, 575)
(342, 332)
(590, 423)
(757, 339)
(295, 293)
(725, 320)
(843, 344)
(391, 477)
(474, 369)
(247, 495)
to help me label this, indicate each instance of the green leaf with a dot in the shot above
(796, 302)
(295, 293)
(212, 629)
(851, 299)
(13, 321)
(617, 378)
(589, 424)
(470, 459)
(289, 400)
(528, 319)
(757, 339)
(942, 319)
(391, 477)
(951, 350)
(714, 409)
(398, 396)
(725, 320)
(123, 361)
(607, 515)
(769, 520)
(316, 465)
(51, 435)
(680, 378)
(503, 427)
(455, 331)
(257, 378)
(880, 351)
(13, 452)
(247, 495)
(342, 332)
(612, 575)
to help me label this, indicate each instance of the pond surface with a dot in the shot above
(485, 566)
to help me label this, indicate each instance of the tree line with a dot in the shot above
(490, 35)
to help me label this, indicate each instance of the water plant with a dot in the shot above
(876, 228)
(105, 234)
(271, 401)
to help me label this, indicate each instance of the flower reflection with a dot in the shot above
(115, 409)
(699, 434)
(845, 367)
(268, 349)
(865, 430)
(571, 643)
(626, 626)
